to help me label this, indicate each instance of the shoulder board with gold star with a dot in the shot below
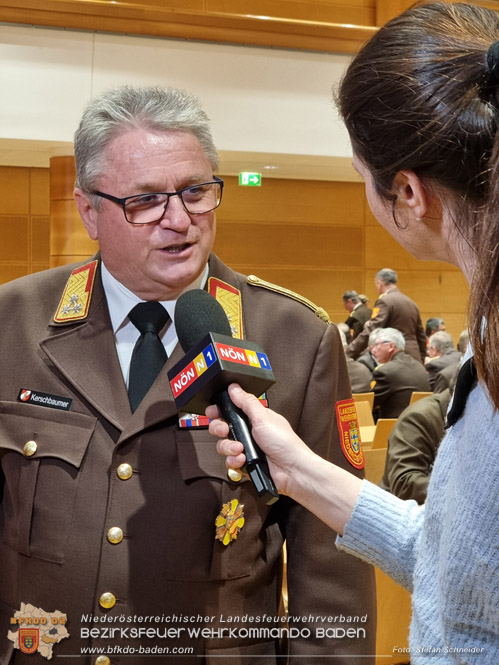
(77, 294)
(318, 311)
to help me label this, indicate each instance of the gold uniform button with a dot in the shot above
(235, 475)
(102, 660)
(30, 448)
(115, 535)
(124, 471)
(107, 600)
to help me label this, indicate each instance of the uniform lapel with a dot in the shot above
(85, 354)
(158, 405)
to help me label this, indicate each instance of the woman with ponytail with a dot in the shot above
(421, 104)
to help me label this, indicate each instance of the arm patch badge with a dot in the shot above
(348, 426)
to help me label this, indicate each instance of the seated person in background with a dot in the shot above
(360, 375)
(367, 357)
(344, 329)
(433, 325)
(446, 376)
(364, 300)
(397, 375)
(358, 313)
(441, 354)
(413, 445)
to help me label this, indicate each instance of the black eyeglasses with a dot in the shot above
(149, 208)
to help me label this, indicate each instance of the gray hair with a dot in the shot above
(387, 276)
(392, 335)
(373, 335)
(351, 295)
(441, 341)
(153, 108)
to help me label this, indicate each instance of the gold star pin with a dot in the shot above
(230, 522)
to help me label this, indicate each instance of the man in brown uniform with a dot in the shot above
(358, 313)
(441, 354)
(413, 445)
(396, 377)
(392, 309)
(108, 525)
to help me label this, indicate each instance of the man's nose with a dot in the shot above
(176, 216)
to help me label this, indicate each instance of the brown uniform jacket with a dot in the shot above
(446, 378)
(360, 376)
(437, 364)
(394, 383)
(394, 310)
(357, 319)
(413, 445)
(60, 503)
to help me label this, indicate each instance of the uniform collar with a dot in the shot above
(121, 300)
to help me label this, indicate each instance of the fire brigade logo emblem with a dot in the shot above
(29, 639)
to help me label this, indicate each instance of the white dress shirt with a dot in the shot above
(120, 302)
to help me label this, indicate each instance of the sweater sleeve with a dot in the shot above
(384, 531)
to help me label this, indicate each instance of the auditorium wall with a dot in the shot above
(315, 237)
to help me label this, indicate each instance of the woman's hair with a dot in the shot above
(118, 110)
(423, 95)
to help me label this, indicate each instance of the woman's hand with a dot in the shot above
(327, 490)
(284, 449)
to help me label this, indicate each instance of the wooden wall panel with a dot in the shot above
(316, 238)
(14, 237)
(355, 12)
(14, 190)
(264, 244)
(344, 32)
(333, 26)
(320, 239)
(387, 9)
(382, 249)
(39, 192)
(307, 236)
(438, 288)
(40, 241)
(24, 211)
(294, 202)
(8, 272)
(323, 287)
(69, 241)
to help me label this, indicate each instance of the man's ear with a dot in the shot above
(411, 191)
(87, 212)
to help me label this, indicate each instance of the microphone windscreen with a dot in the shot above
(197, 313)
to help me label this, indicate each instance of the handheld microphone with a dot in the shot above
(214, 359)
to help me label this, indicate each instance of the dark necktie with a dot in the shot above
(465, 381)
(149, 355)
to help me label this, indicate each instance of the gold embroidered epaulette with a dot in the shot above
(76, 297)
(230, 299)
(318, 311)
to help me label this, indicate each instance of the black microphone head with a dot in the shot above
(197, 313)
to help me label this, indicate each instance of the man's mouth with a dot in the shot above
(176, 249)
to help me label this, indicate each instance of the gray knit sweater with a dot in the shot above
(447, 551)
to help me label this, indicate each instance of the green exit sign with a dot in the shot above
(250, 179)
